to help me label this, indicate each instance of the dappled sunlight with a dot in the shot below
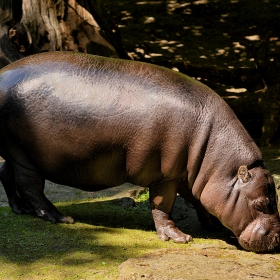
(126, 16)
(149, 20)
(203, 32)
(237, 45)
(253, 37)
(221, 52)
(196, 30)
(148, 2)
(199, 2)
(153, 55)
(236, 90)
(230, 97)
(277, 158)
(173, 5)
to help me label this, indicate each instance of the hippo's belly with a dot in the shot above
(100, 170)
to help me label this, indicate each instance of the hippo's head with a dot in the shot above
(253, 215)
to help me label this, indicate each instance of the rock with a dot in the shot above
(125, 190)
(136, 191)
(125, 202)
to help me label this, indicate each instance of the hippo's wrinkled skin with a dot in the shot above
(92, 123)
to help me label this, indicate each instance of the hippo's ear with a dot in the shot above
(243, 174)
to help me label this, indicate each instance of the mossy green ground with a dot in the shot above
(103, 236)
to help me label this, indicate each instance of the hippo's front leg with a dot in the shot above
(30, 187)
(162, 197)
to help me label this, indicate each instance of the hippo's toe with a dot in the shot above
(175, 234)
(67, 220)
(161, 234)
(57, 218)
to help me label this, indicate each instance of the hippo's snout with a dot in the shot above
(261, 235)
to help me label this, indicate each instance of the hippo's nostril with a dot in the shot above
(277, 238)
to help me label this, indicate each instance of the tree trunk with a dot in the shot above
(33, 26)
(8, 51)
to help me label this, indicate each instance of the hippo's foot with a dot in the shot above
(166, 228)
(20, 206)
(55, 218)
(53, 215)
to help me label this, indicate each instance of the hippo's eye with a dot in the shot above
(259, 205)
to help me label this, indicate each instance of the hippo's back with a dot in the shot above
(88, 79)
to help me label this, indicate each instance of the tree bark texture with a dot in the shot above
(33, 26)
(8, 51)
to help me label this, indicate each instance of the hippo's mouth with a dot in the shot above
(260, 236)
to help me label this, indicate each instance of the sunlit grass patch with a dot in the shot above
(103, 236)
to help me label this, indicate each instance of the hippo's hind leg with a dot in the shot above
(7, 177)
(162, 197)
(30, 187)
(26, 185)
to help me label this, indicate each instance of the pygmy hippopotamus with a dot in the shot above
(93, 122)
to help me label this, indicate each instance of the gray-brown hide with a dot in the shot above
(92, 123)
